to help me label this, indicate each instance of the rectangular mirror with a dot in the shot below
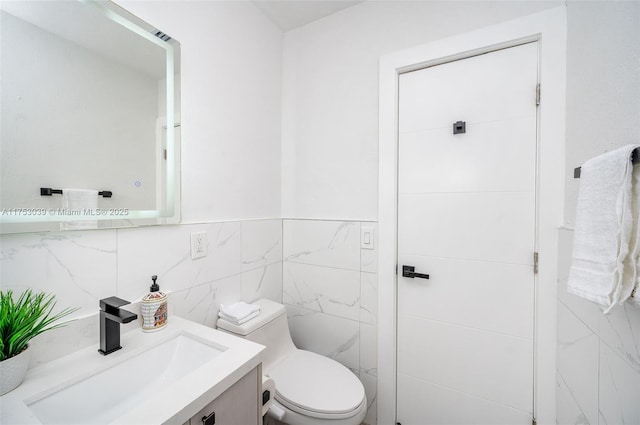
(90, 118)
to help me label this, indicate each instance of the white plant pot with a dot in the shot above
(13, 370)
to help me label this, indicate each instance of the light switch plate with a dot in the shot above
(199, 245)
(367, 238)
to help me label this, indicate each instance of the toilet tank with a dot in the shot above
(269, 328)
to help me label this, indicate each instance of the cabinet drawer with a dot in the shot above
(239, 405)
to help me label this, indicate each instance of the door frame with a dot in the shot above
(548, 28)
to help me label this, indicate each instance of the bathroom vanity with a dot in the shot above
(186, 373)
(236, 406)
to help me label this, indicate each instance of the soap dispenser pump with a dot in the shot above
(154, 308)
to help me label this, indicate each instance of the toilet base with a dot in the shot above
(295, 418)
(268, 420)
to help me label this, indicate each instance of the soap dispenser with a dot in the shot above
(154, 308)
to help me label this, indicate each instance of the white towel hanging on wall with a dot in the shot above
(603, 267)
(79, 201)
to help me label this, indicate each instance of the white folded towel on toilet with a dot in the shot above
(600, 268)
(240, 321)
(239, 312)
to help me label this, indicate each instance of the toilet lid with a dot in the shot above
(314, 385)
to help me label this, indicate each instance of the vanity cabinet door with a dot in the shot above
(239, 405)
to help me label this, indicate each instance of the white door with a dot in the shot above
(466, 217)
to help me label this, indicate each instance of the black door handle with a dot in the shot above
(409, 271)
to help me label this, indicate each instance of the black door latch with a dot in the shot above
(409, 271)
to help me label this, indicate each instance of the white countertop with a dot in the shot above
(174, 404)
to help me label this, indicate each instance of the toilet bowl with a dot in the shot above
(311, 389)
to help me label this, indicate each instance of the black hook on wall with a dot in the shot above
(459, 127)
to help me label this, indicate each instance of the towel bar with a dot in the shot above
(47, 191)
(635, 159)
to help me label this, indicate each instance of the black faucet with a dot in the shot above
(110, 318)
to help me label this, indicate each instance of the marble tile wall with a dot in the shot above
(316, 267)
(330, 291)
(244, 262)
(598, 356)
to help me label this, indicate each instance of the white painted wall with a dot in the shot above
(330, 96)
(598, 379)
(603, 84)
(231, 96)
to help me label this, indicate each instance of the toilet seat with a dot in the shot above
(316, 386)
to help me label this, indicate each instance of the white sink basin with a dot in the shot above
(105, 395)
(163, 377)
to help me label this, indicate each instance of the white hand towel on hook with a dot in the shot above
(79, 202)
(600, 269)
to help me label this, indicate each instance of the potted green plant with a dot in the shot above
(20, 321)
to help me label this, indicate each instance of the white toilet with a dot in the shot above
(310, 388)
